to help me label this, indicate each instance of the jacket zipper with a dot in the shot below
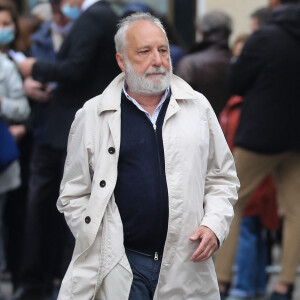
(160, 185)
(155, 257)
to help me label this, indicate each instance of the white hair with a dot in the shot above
(120, 37)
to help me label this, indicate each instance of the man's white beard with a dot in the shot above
(141, 84)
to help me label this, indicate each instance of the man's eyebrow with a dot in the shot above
(144, 46)
(149, 46)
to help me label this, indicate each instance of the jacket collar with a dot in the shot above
(111, 97)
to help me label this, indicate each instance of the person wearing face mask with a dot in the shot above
(7, 35)
(14, 109)
(13, 103)
(73, 12)
(42, 265)
(85, 64)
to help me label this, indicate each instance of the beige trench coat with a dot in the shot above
(202, 189)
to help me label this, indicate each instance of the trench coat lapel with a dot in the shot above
(173, 108)
(114, 124)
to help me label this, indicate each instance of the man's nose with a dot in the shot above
(156, 59)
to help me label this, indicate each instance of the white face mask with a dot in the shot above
(140, 84)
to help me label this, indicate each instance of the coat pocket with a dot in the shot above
(116, 285)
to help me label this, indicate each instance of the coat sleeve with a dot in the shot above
(221, 182)
(14, 105)
(76, 184)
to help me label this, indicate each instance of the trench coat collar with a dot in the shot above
(111, 97)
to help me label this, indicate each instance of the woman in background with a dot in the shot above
(14, 107)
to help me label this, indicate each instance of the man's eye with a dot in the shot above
(144, 52)
(163, 50)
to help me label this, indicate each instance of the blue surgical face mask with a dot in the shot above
(7, 35)
(72, 13)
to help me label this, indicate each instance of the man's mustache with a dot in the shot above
(160, 70)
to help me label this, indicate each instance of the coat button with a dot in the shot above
(102, 183)
(87, 220)
(111, 150)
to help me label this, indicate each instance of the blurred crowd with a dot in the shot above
(62, 54)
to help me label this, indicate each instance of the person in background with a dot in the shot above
(274, 3)
(14, 216)
(14, 108)
(205, 67)
(28, 25)
(259, 216)
(47, 241)
(9, 33)
(87, 52)
(260, 18)
(42, 11)
(82, 67)
(267, 139)
(149, 181)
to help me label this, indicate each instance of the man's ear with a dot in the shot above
(120, 61)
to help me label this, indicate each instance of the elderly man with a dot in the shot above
(149, 181)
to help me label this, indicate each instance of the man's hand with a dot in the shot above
(17, 131)
(25, 67)
(36, 90)
(207, 246)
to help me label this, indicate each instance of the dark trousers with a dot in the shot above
(48, 243)
(14, 213)
(145, 275)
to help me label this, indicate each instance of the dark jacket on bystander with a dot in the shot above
(267, 74)
(85, 65)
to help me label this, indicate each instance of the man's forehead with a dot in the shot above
(141, 32)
